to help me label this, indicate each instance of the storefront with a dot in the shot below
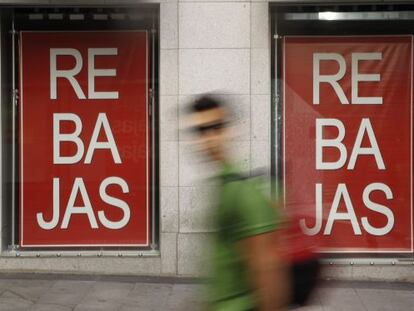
(97, 170)
(343, 85)
(80, 132)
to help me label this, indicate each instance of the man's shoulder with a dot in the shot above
(231, 173)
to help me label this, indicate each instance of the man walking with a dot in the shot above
(247, 272)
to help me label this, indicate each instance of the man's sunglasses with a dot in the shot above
(211, 127)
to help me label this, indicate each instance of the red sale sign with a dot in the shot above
(348, 140)
(84, 163)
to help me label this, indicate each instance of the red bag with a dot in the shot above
(301, 252)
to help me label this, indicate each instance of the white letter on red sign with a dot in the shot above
(336, 143)
(334, 215)
(92, 73)
(378, 208)
(331, 79)
(102, 121)
(115, 202)
(68, 74)
(373, 150)
(318, 216)
(79, 186)
(357, 77)
(56, 207)
(73, 137)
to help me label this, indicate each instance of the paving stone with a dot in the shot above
(28, 289)
(109, 290)
(405, 296)
(152, 296)
(382, 300)
(125, 295)
(13, 302)
(67, 293)
(98, 305)
(48, 307)
(309, 308)
(184, 295)
(340, 299)
(131, 307)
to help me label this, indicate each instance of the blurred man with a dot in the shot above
(247, 272)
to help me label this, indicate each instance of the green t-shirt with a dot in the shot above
(243, 211)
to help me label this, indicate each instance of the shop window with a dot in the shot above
(80, 118)
(342, 125)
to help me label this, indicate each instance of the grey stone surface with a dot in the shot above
(169, 253)
(66, 293)
(149, 296)
(121, 265)
(196, 208)
(260, 71)
(169, 25)
(9, 300)
(169, 164)
(10, 264)
(260, 32)
(168, 72)
(168, 118)
(343, 298)
(383, 272)
(97, 305)
(338, 272)
(260, 155)
(214, 25)
(380, 299)
(92, 264)
(30, 290)
(183, 296)
(49, 307)
(184, 119)
(193, 254)
(169, 209)
(240, 108)
(109, 290)
(261, 116)
(85, 293)
(226, 71)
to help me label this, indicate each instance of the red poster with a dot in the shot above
(348, 140)
(84, 139)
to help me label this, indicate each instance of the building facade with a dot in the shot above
(242, 50)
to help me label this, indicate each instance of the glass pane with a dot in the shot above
(84, 139)
(345, 129)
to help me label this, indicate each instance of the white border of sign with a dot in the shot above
(356, 250)
(21, 205)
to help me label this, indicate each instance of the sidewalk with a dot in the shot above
(81, 293)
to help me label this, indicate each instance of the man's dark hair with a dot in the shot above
(205, 102)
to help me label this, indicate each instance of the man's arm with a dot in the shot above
(266, 269)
